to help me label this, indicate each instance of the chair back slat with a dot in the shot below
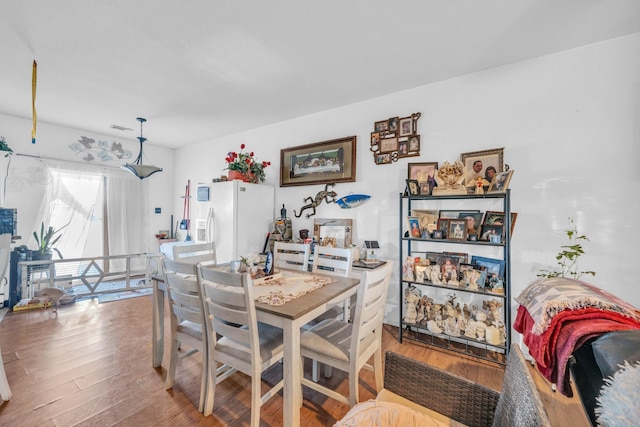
(334, 261)
(291, 255)
(196, 253)
(371, 299)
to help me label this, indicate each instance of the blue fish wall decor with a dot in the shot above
(352, 200)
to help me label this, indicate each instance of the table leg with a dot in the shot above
(157, 325)
(292, 374)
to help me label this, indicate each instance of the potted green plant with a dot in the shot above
(46, 241)
(567, 258)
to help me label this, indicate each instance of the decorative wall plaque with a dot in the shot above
(395, 138)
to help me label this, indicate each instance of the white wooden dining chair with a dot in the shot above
(349, 346)
(5, 390)
(237, 341)
(330, 260)
(336, 262)
(5, 253)
(187, 319)
(291, 255)
(195, 253)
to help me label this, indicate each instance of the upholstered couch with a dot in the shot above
(418, 394)
(601, 358)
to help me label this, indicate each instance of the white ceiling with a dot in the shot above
(199, 69)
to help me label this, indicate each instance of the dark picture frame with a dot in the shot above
(490, 158)
(498, 218)
(457, 229)
(473, 220)
(413, 188)
(492, 230)
(421, 171)
(319, 163)
(382, 158)
(405, 127)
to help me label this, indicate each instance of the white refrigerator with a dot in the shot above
(236, 215)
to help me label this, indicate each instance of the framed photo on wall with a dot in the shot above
(320, 163)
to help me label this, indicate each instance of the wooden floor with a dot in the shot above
(91, 365)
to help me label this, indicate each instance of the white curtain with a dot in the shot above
(128, 225)
(72, 197)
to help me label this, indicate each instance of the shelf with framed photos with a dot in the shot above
(456, 300)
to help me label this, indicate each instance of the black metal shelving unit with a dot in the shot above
(419, 332)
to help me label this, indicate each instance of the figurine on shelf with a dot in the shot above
(493, 306)
(450, 179)
(411, 299)
(479, 186)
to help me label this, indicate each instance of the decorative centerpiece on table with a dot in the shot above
(243, 166)
(250, 263)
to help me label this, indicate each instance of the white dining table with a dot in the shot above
(291, 316)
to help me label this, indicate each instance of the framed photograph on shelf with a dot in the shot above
(474, 221)
(428, 218)
(497, 218)
(443, 226)
(413, 188)
(474, 279)
(462, 257)
(333, 232)
(500, 182)
(482, 163)
(425, 189)
(421, 171)
(448, 268)
(492, 233)
(320, 163)
(413, 225)
(455, 214)
(457, 229)
(432, 256)
(492, 266)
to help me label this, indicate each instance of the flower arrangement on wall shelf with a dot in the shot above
(246, 165)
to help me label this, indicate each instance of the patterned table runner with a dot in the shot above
(288, 287)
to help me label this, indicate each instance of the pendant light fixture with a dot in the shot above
(137, 168)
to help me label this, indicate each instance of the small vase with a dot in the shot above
(233, 174)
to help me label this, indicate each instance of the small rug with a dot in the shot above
(124, 295)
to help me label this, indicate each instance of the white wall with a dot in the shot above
(26, 179)
(569, 126)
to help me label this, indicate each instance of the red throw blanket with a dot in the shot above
(557, 316)
(568, 330)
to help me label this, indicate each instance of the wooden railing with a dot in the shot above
(89, 276)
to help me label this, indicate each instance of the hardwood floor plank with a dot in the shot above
(90, 365)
